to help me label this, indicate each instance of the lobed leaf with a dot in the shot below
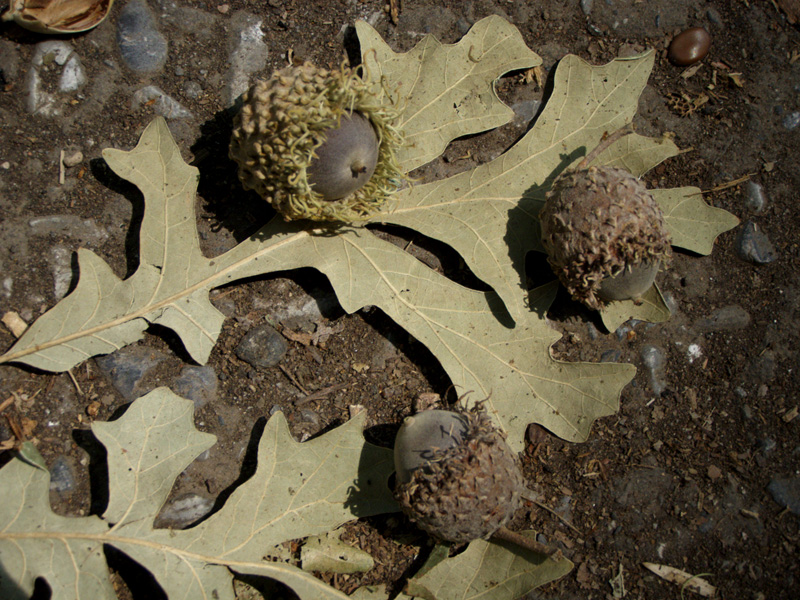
(487, 570)
(298, 489)
(490, 213)
(445, 91)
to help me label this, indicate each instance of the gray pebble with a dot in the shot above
(754, 246)
(655, 361)
(586, 6)
(163, 105)
(198, 384)
(126, 368)
(714, 17)
(754, 196)
(247, 54)
(62, 475)
(41, 101)
(184, 511)
(610, 356)
(141, 45)
(525, 111)
(791, 121)
(463, 26)
(727, 318)
(192, 90)
(262, 347)
(767, 445)
(786, 492)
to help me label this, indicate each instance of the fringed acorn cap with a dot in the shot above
(600, 223)
(280, 136)
(468, 484)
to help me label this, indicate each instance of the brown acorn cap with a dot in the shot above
(597, 223)
(467, 491)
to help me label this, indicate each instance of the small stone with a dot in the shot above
(714, 473)
(654, 360)
(754, 246)
(62, 475)
(46, 55)
(141, 45)
(791, 121)
(525, 111)
(198, 384)
(715, 17)
(127, 367)
(184, 511)
(192, 90)
(247, 54)
(767, 445)
(689, 47)
(162, 104)
(586, 6)
(73, 159)
(610, 356)
(463, 26)
(786, 492)
(727, 318)
(262, 347)
(754, 196)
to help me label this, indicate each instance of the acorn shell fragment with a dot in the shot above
(601, 223)
(58, 16)
(279, 141)
(466, 488)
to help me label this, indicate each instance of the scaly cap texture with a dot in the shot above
(467, 491)
(284, 119)
(595, 223)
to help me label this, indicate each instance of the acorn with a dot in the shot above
(317, 144)
(603, 232)
(457, 478)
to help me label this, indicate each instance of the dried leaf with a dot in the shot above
(58, 16)
(326, 553)
(297, 490)
(446, 91)
(486, 570)
(650, 307)
(688, 581)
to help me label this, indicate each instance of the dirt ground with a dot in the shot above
(678, 477)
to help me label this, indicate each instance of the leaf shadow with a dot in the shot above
(230, 207)
(532, 200)
(99, 483)
(103, 174)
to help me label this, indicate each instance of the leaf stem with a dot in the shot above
(522, 541)
(604, 144)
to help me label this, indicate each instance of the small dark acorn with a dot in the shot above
(689, 47)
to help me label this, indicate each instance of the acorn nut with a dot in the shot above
(457, 478)
(689, 47)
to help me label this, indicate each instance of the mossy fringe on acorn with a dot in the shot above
(282, 122)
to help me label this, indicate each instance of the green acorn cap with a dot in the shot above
(317, 144)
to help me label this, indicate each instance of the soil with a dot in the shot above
(677, 478)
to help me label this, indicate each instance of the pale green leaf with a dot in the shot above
(490, 213)
(297, 489)
(693, 224)
(650, 307)
(147, 448)
(489, 571)
(445, 91)
(104, 313)
(327, 553)
(466, 330)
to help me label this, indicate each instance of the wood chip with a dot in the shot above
(693, 583)
(14, 323)
(790, 416)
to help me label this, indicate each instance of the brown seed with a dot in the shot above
(689, 47)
